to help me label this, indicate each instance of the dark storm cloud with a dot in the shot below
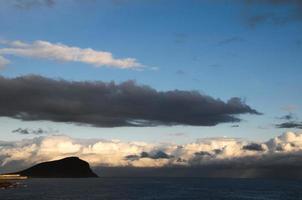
(111, 105)
(297, 125)
(277, 11)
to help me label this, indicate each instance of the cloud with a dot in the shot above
(212, 152)
(291, 124)
(153, 155)
(253, 147)
(289, 116)
(60, 52)
(276, 11)
(291, 121)
(235, 126)
(287, 142)
(111, 105)
(27, 131)
(3, 62)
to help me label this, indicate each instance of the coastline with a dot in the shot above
(7, 184)
(12, 177)
(9, 180)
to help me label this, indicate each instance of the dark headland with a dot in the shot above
(70, 167)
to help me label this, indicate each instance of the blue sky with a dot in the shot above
(208, 46)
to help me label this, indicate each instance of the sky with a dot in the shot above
(176, 71)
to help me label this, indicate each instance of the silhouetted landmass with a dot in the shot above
(71, 167)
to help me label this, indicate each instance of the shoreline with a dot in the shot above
(7, 184)
(8, 177)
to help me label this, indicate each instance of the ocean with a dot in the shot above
(154, 188)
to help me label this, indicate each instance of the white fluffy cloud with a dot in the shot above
(61, 52)
(140, 154)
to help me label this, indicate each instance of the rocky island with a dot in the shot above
(70, 167)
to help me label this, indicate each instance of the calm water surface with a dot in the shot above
(154, 188)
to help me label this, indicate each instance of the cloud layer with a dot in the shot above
(111, 105)
(279, 151)
(61, 52)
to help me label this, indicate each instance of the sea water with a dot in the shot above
(154, 188)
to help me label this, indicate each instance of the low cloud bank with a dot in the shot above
(104, 104)
(213, 153)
